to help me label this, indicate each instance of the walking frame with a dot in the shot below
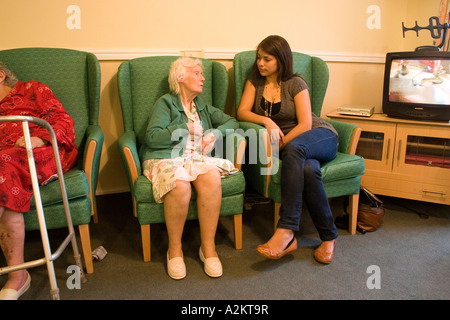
(49, 257)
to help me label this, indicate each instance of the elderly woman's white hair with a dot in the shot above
(178, 71)
(10, 79)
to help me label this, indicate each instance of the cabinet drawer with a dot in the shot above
(392, 186)
(436, 193)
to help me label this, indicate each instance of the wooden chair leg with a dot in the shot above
(237, 226)
(277, 215)
(94, 213)
(145, 235)
(353, 213)
(86, 247)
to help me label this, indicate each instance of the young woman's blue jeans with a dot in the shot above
(301, 181)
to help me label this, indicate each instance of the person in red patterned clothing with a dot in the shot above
(35, 99)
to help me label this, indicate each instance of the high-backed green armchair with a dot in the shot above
(74, 77)
(341, 176)
(141, 82)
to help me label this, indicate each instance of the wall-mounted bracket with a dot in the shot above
(437, 30)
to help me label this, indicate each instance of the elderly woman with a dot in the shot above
(27, 99)
(181, 132)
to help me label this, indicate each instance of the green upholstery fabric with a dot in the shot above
(344, 166)
(141, 82)
(231, 205)
(74, 77)
(144, 193)
(341, 176)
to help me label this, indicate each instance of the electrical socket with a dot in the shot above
(194, 53)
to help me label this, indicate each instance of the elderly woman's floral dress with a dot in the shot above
(32, 99)
(163, 173)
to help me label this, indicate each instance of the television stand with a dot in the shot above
(404, 158)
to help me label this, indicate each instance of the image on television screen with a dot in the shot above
(420, 81)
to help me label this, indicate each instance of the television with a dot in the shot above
(417, 85)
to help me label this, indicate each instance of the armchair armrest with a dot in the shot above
(130, 159)
(234, 149)
(91, 160)
(348, 135)
(259, 162)
(258, 143)
(130, 156)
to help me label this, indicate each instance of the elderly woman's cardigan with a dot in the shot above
(167, 126)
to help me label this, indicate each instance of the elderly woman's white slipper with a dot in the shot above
(176, 267)
(11, 294)
(212, 266)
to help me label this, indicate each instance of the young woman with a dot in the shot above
(278, 99)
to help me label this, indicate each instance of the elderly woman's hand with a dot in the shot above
(195, 129)
(208, 143)
(35, 142)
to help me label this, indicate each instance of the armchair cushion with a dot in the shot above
(344, 166)
(231, 185)
(55, 218)
(77, 186)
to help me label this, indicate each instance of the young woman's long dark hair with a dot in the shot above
(279, 48)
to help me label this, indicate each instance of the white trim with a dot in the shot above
(326, 56)
(221, 54)
(213, 54)
(121, 54)
(349, 57)
(225, 54)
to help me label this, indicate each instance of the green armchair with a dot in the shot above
(74, 77)
(341, 176)
(141, 82)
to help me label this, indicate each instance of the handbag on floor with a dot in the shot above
(370, 212)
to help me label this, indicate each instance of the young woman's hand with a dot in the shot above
(274, 130)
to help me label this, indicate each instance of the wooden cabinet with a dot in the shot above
(404, 158)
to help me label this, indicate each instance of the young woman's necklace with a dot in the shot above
(269, 104)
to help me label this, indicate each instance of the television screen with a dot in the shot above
(420, 81)
(417, 85)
